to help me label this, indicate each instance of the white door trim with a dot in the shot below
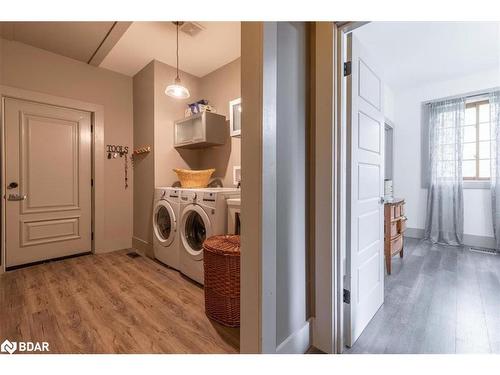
(97, 111)
(258, 196)
(325, 325)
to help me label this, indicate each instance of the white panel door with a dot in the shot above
(365, 180)
(47, 182)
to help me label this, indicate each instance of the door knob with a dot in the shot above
(382, 200)
(16, 197)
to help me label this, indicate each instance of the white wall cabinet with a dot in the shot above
(201, 130)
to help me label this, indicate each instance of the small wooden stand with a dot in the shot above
(394, 227)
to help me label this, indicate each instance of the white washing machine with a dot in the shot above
(165, 225)
(203, 214)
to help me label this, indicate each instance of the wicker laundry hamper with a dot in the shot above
(221, 260)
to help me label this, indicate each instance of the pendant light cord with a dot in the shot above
(177, 52)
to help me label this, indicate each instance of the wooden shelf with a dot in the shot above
(393, 230)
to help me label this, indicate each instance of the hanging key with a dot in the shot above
(126, 171)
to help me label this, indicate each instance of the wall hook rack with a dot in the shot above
(139, 151)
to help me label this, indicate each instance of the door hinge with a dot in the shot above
(92, 236)
(347, 296)
(91, 182)
(91, 128)
(347, 68)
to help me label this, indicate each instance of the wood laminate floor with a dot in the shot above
(109, 303)
(438, 299)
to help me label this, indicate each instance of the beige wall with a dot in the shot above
(34, 69)
(167, 110)
(220, 87)
(154, 115)
(1, 58)
(143, 164)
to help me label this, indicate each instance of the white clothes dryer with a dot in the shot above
(203, 214)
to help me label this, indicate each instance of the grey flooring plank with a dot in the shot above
(438, 299)
(493, 328)
(408, 328)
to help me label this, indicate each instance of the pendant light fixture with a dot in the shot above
(176, 89)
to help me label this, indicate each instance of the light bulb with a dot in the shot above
(176, 90)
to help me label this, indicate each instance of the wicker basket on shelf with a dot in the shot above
(221, 260)
(194, 179)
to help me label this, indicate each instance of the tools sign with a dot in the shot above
(116, 150)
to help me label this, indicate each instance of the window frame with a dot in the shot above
(476, 104)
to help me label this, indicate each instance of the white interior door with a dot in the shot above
(365, 179)
(47, 181)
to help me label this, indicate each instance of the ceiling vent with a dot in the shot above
(191, 28)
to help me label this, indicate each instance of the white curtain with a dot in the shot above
(445, 212)
(495, 163)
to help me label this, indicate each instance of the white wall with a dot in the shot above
(389, 106)
(274, 63)
(408, 152)
(291, 181)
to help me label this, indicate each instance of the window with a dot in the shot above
(476, 141)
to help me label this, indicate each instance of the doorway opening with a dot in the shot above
(405, 282)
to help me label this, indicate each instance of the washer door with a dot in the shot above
(195, 228)
(164, 223)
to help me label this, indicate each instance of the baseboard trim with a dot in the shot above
(143, 247)
(469, 239)
(414, 233)
(109, 250)
(298, 342)
(479, 241)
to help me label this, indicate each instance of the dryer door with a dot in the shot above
(164, 223)
(195, 228)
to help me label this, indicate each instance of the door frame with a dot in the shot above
(341, 101)
(97, 158)
(259, 75)
(324, 180)
(258, 265)
(258, 156)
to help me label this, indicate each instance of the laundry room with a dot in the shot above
(186, 156)
(127, 156)
(138, 157)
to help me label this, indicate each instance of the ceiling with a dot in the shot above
(415, 53)
(77, 40)
(216, 45)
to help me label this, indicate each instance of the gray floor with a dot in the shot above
(439, 299)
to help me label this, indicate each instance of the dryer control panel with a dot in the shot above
(188, 196)
(173, 193)
(209, 197)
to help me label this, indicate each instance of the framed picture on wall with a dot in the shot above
(236, 175)
(235, 117)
